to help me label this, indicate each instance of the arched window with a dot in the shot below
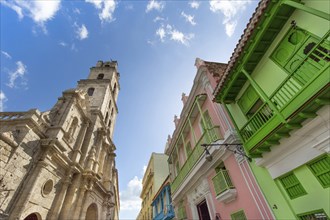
(92, 212)
(90, 91)
(109, 103)
(100, 76)
(109, 125)
(33, 216)
(111, 113)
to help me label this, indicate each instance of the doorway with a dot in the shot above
(203, 211)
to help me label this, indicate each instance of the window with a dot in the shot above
(250, 102)
(188, 149)
(292, 186)
(317, 214)
(240, 215)
(114, 88)
(222, 181)
(177, 168)
(207, 126)
(90, 91)
(100, 76)
(47, 187)
(295, 46)
(321, 170)
(106, 117)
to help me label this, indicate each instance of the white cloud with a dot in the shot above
(181, 37)
(76, 11)
(230, 10)
(63, 44)
(3, 99)
(161, 33)
(158, 19)
(106, 9)
(18, 73)
(130, 197)
(39, 11)
(194, 4)
(189, 18)
(82, 32)
(173, 34)
(155, 5)
(144, 170)
(7, 55)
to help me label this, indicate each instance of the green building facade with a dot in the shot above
(276, 90)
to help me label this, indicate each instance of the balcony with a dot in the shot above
(165, 214)
(208, 137)
(298, 97)
(224, 188)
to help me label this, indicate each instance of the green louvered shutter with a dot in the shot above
(321, 170)
(292, 186)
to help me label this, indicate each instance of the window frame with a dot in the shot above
(316, 160)
(239, 212)
(297, 183)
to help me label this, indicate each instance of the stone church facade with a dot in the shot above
(60, 164)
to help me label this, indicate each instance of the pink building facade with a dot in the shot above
(221, 184)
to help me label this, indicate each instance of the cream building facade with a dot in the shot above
(60, 164)
(154, 176)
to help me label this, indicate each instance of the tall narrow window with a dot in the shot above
(292, 186)
(188, 149)
(321, 170)
(114, 88)
(106, 117)
(100, 76)
(207, 126)
(90, 91)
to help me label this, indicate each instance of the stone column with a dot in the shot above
(77, 149)
(68, 201)
(58, 202)
(90, 159)
(80, 198)
(98, 146)
(108, 171)
(102, 159)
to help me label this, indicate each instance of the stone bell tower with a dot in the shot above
(60, 164)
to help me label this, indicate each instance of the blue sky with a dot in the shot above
(47, 46)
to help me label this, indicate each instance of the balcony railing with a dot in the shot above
(208, 137)
(309, 74)
(264, 114)
(222, 182)
(165, 214)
